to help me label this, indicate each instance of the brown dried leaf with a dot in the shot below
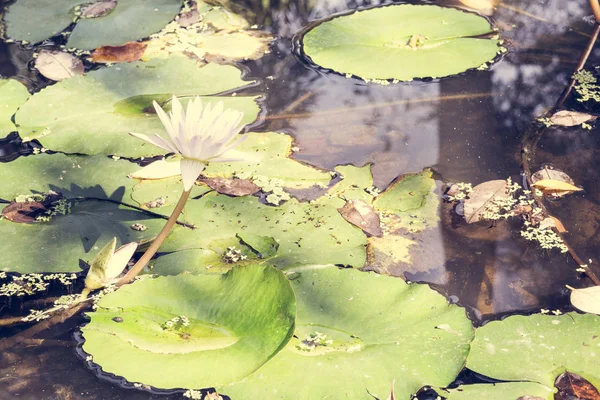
(98, 9)
(130, 51)
(362, 215)
(548, 173)
(574, 387)
(57, 65)
(231, 187)
(24, 213)
(481, 196)
(571, 118)
(548, 186)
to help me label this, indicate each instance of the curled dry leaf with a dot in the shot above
(57, 65)
(231, 187)
(572, 386)
(550, 187)
(586, 300)
(362, 215)
(571, 118)
(131, 51)
(549, 173)
(98, 9)
(25, 212)
(482, 196)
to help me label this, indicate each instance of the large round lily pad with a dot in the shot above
(537, 348)
(36, 20)
(401, 42)
(237, 322)
(59, 244)
(94, 113)
(14, 94)
(355, 333)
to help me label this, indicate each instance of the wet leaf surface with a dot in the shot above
(14, 94)
(128, 52)
(58, 65)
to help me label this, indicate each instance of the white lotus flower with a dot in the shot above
(108, 264)
(203, 134)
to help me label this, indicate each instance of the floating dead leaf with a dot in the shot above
(558, 225)
(571, 118)
(130, 51)
(57, 65)
(24, 213)
(549, 173)
(586, 300)
(552, 187)
(231, 187)
(362, 215)
(482, 197)
(574, 387)
(98, 9)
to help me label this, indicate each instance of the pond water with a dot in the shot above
(467, 128)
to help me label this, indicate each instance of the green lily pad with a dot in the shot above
(98, 176)
(401, 42)
(271, 152)
(354, 184)
(14, 94)
(58, 245)
(67, 117)
(306, 233)
(237, 322)
(538, 348)
(355, 333)
(195, 261)
(265, 246)
(499, 391)
(36, 20)
(411, 202)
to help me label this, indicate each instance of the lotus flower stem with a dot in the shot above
(596, 9)
(147, 256)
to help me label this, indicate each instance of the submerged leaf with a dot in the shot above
(58, 65)
(401, 42)
(481, 198)
(572, 386)
(571, 118)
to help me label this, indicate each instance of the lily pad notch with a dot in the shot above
(400, 42)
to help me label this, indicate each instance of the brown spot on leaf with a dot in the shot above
(360, 214)
(98, 9)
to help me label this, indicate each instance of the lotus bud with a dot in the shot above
(108, 264)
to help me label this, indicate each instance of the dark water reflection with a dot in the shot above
(467, 128)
